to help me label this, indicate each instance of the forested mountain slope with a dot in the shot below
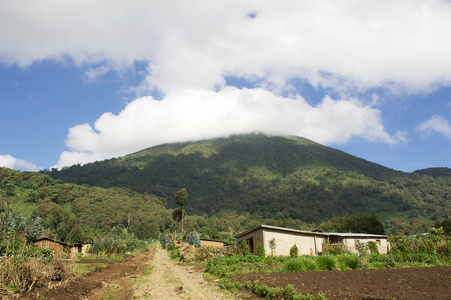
(75, 212)
(279, 177)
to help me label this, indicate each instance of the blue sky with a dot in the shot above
(91, 80)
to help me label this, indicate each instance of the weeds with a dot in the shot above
(20, 273)
(267, 292)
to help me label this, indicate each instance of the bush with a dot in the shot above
(296, 264)
(244, 248)
(421, 248)
(383, 261)
(109, 246)
(22, 272)
(348, 261)
(193, 239)
(260, 249)
(166, 240)
(237, 264)
(264, 290)
(372, 246)
(294, 251)
(326, 262)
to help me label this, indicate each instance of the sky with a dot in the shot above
(88, 80)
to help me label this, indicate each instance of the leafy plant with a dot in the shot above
(326, 262)
(348, 261)
(372, 246)
(272, 246)
(193, 239)
(244, 248)
(294, 252)
(260, 249)
(166, 240)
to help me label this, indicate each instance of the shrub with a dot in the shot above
(108, 247)
(294, 251)
(372, 246)
(264, 290)
(290, 292)
(260, 249)
(293, 265)
(326, 262)
(244, 248)
(22, 272)
(237, 264)
(193, 239)
(348, 261)
(296, 264)
(165, 241)
(362, 248)
(272, 246)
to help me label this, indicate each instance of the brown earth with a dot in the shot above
(153, 275)
(406, 283)
(149, 275)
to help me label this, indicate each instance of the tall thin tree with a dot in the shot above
(180, 199)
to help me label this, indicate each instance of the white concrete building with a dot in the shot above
(307, 242)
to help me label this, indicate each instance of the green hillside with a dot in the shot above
(273, 177)
(66, 208)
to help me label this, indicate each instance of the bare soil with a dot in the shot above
(153, 275)
(406, 283)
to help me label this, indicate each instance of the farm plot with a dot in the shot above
(405, 283)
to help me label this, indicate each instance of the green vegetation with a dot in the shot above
(260, 249)
(179, 213)
(294, 251)
(433, 249)
(289, 293)
(360, 223)
(193, 239)
(83, 269)
(278, 181)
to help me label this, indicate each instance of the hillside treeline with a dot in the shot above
(275, 178)
(81, 213)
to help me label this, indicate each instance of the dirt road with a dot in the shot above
(171, 281)
(149, 275)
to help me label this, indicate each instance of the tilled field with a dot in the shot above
(406, 283)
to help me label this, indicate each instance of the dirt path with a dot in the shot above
(150, 275)
(171, 281)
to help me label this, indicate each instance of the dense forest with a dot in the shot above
(232, 185)
(284, 178)
(81, 213)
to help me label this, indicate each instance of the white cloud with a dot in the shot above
(191, 46)
(93, 73)
(402, 44)
(11, 162)
(198, 114)
(436, 124)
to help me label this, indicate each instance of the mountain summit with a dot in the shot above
(267, 176)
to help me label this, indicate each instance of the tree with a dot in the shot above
(180, 199)
(359, 223)
(165, 240)
(35, 231)
(193, 239)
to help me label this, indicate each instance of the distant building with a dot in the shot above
(57, 246)
(307, 242)
(205, 243)
(211, 243)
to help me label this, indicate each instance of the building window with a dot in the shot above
(378, 242)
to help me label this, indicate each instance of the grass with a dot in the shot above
(110, 293)
(83, 269)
